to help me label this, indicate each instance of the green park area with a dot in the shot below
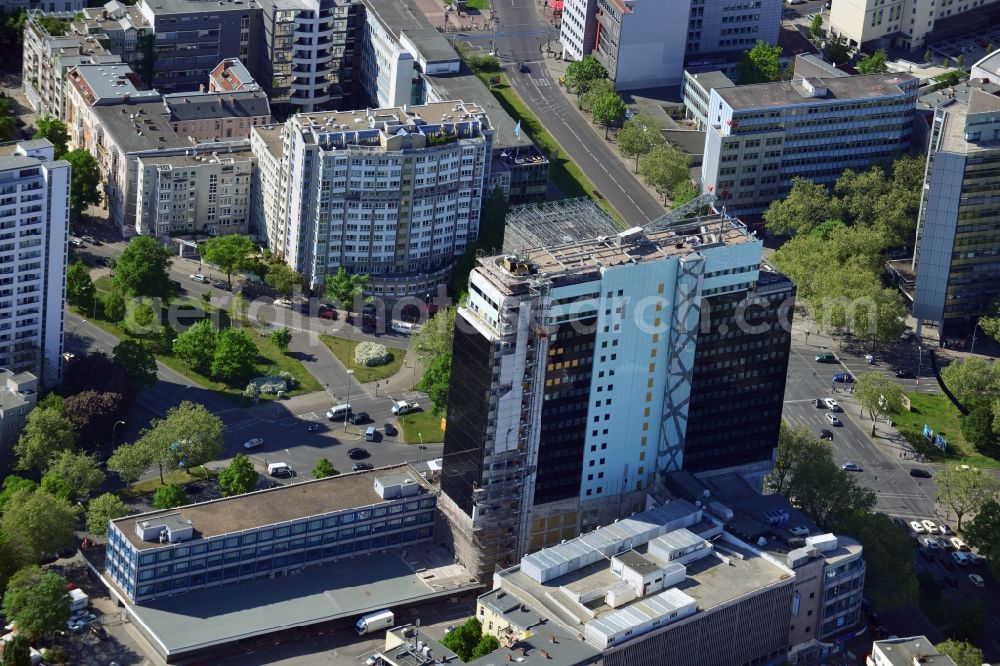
(421, 427)
(344, 351)
(943, 417)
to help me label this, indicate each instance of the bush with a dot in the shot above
(272, 384)
(371, 354)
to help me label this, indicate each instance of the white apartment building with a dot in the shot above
(899, 23)
(34, 224)
(18, 396)
(578, 28)
(393, 193)
(187, 193)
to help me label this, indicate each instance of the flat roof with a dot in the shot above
(402, 17)
(959, 93)
(908, 651)
(789, 93)
(633, 560)
(346, 588)
(229, 104)
(108, 83)
(434, 113)
(712, 80)
(271, 506)
(241, 155)
(199, 6)
(271, 136)
(144, 131)
(466, 86)
(989, 63)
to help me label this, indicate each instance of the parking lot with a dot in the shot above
(971, 48)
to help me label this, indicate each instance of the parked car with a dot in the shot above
(945, 530)
(221, 284)
(390, 430)
(832, 419)
(958, 544)
(933, 543)
(977, 580)
(929, 526)
(282, 303)
(826, 357)
(851, 467)
(905, 374)
(826, 433)
(99, 631)
(816, 402)
(917, 527)
(921, 473)
(90, 239)
(312, 427)
(254, 443)
(358, 453)
(361, 467)
(198, 277)
(832, 405)
(843, 378)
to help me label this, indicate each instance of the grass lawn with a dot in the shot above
(943, 417)
(477, 4)
(269, 361)
(566, 175)
(423, 424)
(344, 351)
(176, 477)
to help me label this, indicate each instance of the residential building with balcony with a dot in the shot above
(392, 193)
(588, 366)
(309, 53)
(762, 136)
(48, 58)
(216, 116)
(268, 533)
(958, 237)
(121, 29)
(18, 396)
(193, 36)
(34, 224)
(14, 7)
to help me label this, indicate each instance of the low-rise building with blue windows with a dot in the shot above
(268, 533)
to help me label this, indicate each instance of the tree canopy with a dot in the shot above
(281, 338)
(890, 581)
(664, 168)
(582, 73)
(79, 471)
(46, 433)
(137, 361)
(38, 524)
(323, 469)
(169, 496)
(230, 253)
(345, 289)
(80, 288)
(142, 269)
(37, 602)
(962, 653)
(102, 510)
(640, 135)
(239, 477)
(284, 279)
(94, 415)
(85, 181)
(55, 131)
(878, 394)
(874, 63)
(982, 533)
(760, 64)
(196, 346)
(965, 491)
(608, 110)
(235, 354)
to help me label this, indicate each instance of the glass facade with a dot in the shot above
(167, 570)
(843, 585)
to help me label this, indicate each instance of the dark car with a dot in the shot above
(312, 427)
(357, 453)
(221, 284)
(921, 473)
(359, 418)
(326, 311)
(843, 378)
(390, 430)
(826, 433)
(361, 467)
(816, 402)
(905, 374)
(523, 68)
(99, 631)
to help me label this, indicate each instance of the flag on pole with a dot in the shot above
(517, 129)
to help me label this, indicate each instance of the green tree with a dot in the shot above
(102, 510)
(977, 428)
(284, 279)
(80, 471)
(346, 289)
(196, 346)
(806, 205)
(55, 131)
(235, 354)
(486, 644)
(17, 651)
(965, 491)
(928, 56)
(12, 484)
(879, 395)
(609, 110)
(582, 73)
(639, 136)
(961, 652)
(167, 497)
(56, 487)
(37, 602)
(85, 185)
(796, 445)
(990, 322)
(873, 64)
(436, 336)
(140, 318)
(982, 533)
(52, 401)
(974, 381)
(437, 380)
(38, 524)
(837, 51)
(664, 168)
(239, 477)
(281, 338)
(464, 638)
(230, 253)
(597, 90)
(683, 193)
(760, 64)
(137, 361)
(890, 581)
(880, 318)
(45, 433)
(960, 60)
(143, 268)
(816, 27)
(80, 288)
(115, 306)
(323, 469)
(189, 436)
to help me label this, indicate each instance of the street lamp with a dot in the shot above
(972, 348)
(920, 360)
(114, 430)
(347, 416)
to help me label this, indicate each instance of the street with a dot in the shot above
(524, 40)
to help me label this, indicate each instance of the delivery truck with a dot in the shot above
(383, 619)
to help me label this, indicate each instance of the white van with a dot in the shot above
(279, 469)
(339, 412)
(371, 434)
(374, 621)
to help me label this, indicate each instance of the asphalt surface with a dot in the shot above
(282, 424)
(519, 25)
